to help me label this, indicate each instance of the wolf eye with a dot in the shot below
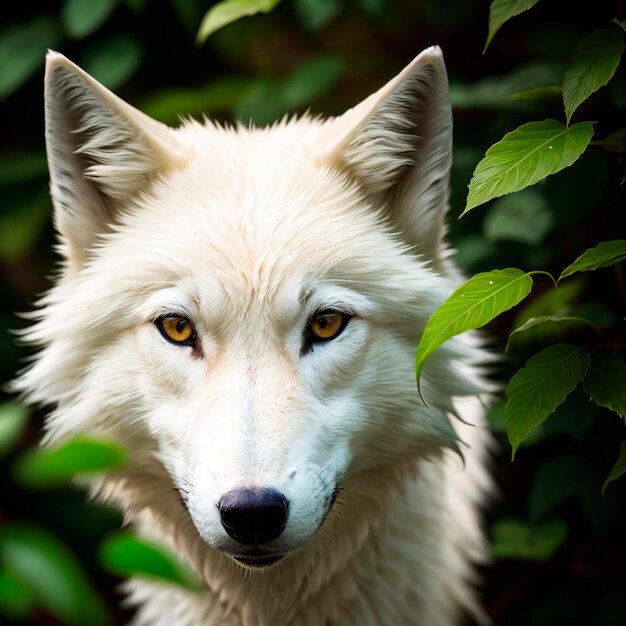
(176, 329)
(326, 325)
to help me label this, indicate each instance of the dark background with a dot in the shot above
(558, 544)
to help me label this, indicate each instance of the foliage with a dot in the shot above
(523, 158)
(545, 88)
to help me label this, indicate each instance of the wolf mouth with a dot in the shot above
(258, 561)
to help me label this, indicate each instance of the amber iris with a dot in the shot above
(176, 329)
(326, 325)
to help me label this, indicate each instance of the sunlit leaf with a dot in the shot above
(605, 381)
(23, 49)
(227, 11)
(619, 469)
(603, 255)
(51, 572)
(128, 555)
(515, 539)
(114, 60)
(13, 420)
(538, 388)
(524, 217)
(502, 11)
(525, 156)
(592, 65)
(472, 305)
(79, 456)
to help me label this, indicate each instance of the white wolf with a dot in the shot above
(240, 307)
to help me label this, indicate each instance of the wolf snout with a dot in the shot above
(253, 517)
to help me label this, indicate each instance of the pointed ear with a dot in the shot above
(397, 144)
(101, 152)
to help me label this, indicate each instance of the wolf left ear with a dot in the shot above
(397, 143)
(101, 152)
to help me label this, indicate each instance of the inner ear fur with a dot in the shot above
(101, 152)
(397, 144)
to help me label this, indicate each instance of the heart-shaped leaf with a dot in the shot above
(526, 156)
(539, 387)
(472, 305)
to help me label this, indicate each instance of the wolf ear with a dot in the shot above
(101, 152)
(397, 143)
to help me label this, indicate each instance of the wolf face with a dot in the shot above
(240, 307)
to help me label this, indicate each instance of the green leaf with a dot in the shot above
(17, 601)
(592, 65)
(555, 482)
(82, 17)
(219, 96)
(524, 217)
(13, 420)
(605, 381)
(51, 572)
(472, 305)
(126, 554)
(315, 14)
(114, 60)
(20, 167)
(550, 91)
(271, 98)
(616, 142)
(227, 11)
(603, 255)
(539, 387)
(22, 223)
(502, 11)
(515, 539)
(553, 324)
(81, 455)
(619, 469)
(525, 156)
(23, 50)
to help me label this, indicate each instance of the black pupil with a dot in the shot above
(322, 322)
(180, 326)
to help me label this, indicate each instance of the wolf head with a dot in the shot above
(240, 307)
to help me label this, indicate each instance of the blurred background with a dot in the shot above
(558, 544)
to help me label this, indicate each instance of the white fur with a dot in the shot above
(248, 232)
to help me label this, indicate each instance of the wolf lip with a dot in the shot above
(258, 560)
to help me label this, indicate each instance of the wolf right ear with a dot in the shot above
(397, 144)
(101, 152)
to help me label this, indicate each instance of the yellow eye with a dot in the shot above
(176, 329)
(327, 325)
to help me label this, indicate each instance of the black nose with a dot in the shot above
(253, 517)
